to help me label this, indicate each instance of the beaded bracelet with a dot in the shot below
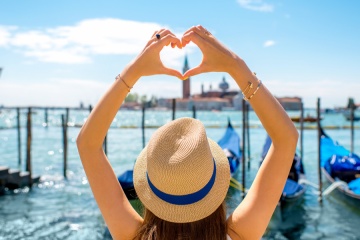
(119, 77)
(253, 94)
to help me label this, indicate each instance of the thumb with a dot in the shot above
(172, 72)
(194, 71)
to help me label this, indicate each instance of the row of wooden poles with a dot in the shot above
(245, 144)
(64, 126)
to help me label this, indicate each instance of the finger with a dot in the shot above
(173, 44)
(194, 71)
(184, 42)
(172, 72)
(202, 31)
(189, 30)
(165, 32)
(154, 34)
(153, 37)
(170, 38)
(193, 37)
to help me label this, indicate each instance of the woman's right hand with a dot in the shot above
(216, 57)
(148, 62)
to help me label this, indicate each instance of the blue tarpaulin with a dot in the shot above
(231, 142)
(291, 187)
(354, 186)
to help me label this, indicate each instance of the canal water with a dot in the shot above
(59, 208)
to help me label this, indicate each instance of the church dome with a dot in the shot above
(224, 85)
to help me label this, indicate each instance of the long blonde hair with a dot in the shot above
(212, 227)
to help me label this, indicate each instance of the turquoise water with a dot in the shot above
(61, 208)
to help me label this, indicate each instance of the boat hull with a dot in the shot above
(297, 197)
(343, 192)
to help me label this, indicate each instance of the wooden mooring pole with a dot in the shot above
(352, 108)
(194, 111)
(28, 146)
(143, 125)
(18, 135)
(173, 108)
(65, 143)
(243, 146)
(319, 149)
(248, 134)
(46, 119)
(302, 131)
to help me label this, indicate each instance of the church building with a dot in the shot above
(213, 99)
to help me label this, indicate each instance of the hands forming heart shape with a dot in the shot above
(216, 57)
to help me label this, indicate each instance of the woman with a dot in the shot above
(182, 177)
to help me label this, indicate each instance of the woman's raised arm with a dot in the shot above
(121, 219)
(251, 217)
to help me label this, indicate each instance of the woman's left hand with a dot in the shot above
(148, 62)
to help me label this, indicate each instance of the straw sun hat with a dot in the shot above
(181, 175)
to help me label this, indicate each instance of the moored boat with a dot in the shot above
(340, 166)
(230, 143)
(295, 185)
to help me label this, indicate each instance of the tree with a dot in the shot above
(153, 101)
(132, 97)
(143, 99)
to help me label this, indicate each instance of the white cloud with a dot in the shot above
(256, 5)
(269, 43)
(54, 92)
(80, 42)
(5, 34)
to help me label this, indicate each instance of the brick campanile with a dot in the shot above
(186, 83)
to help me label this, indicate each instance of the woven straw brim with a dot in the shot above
(184, 213)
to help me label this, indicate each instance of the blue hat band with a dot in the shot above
(184, 199)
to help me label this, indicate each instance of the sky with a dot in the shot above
(61, 53)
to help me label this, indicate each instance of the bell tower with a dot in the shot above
(186, 83)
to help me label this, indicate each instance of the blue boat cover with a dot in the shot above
(297, 159)
(338, 161)
(231, 142)
(343, 163)
(291, 188)
(126, 180)
(354, 186)
(330, 148)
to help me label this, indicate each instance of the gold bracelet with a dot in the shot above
(248, 87)
(119, 77)
(252, 95)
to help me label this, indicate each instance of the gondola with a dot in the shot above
(340, 165)
(127, 183)
(295, 186)
(230, 143)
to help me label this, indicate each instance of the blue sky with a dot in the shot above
(63, 52)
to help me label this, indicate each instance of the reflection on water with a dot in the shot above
(288, 222)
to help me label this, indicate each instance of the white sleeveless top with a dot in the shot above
(228, 237)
